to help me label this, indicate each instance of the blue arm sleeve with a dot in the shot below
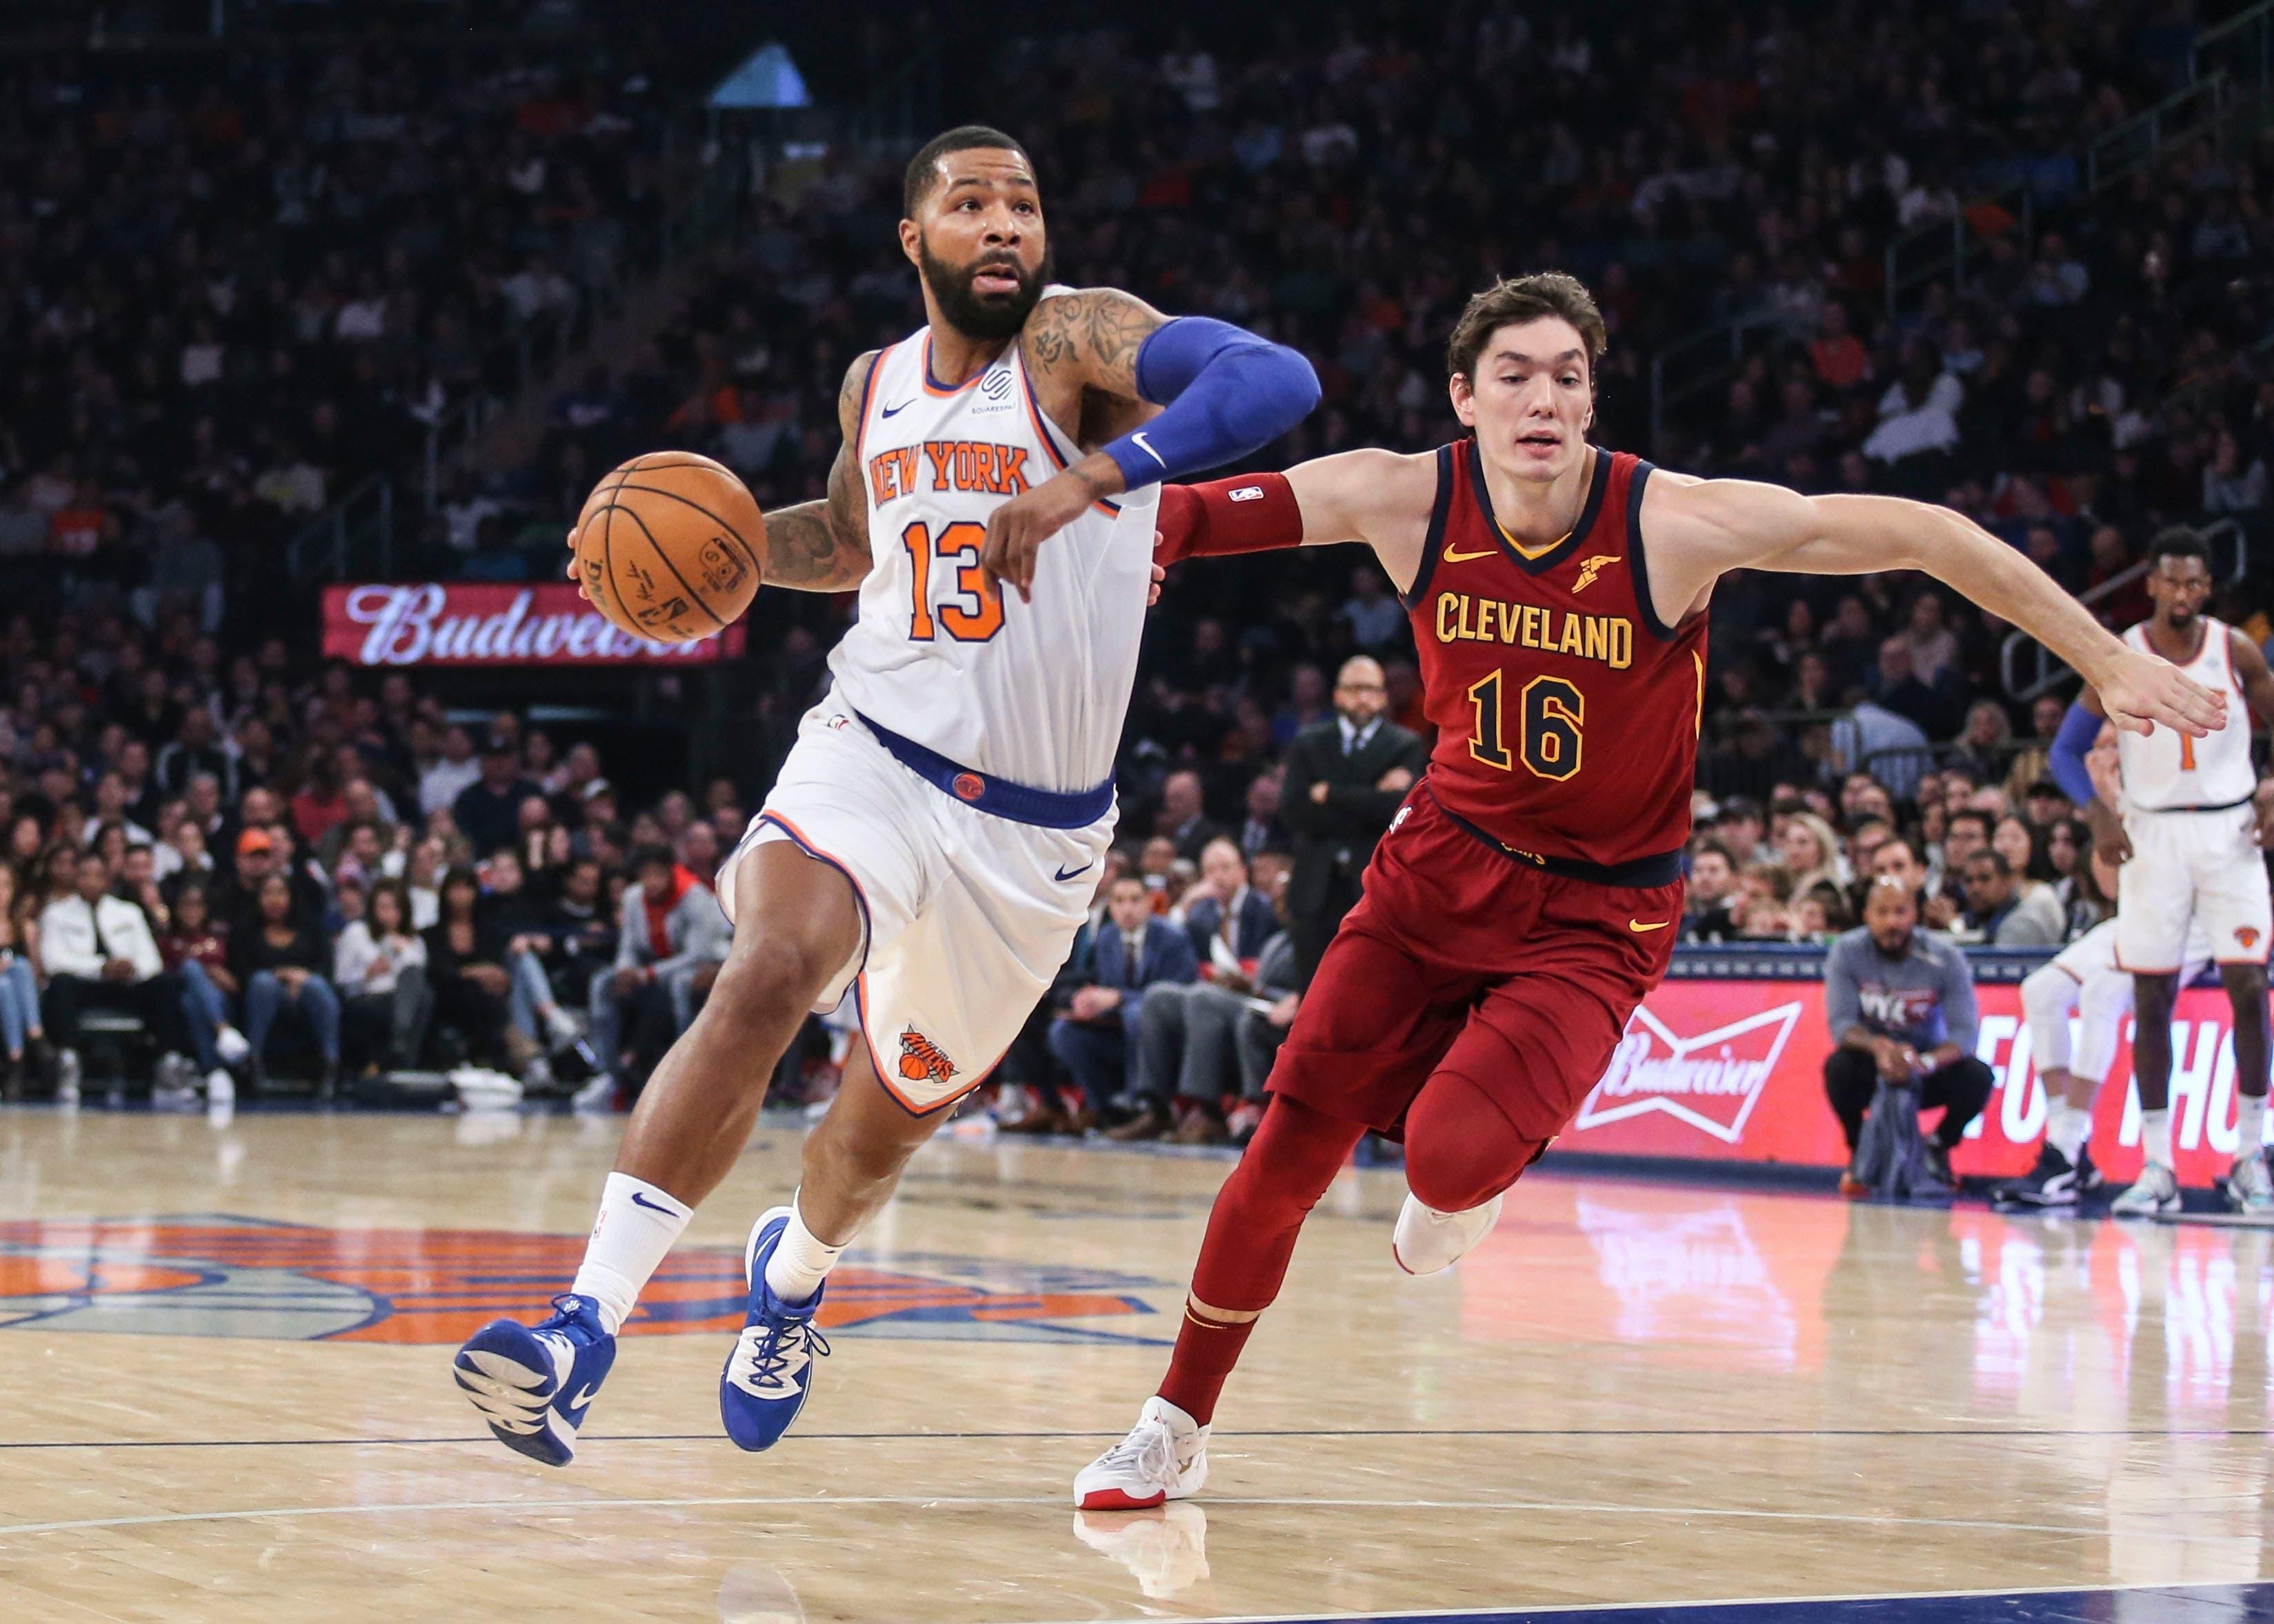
(1225, 392)
(2078, 729)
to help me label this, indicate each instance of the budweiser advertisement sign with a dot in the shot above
(1733, 1070)
(486, 623)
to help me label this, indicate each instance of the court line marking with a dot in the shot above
(1971, 1433)
(526, 1507)
(2181, 1587)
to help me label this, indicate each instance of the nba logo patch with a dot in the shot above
(969, 785)
(921, 1059)
(2246, 935)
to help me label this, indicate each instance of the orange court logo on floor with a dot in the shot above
(217, 1274)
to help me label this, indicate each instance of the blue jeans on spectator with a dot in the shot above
(205, 1010)
(19, 1006)
(530, 992)
(265, 999)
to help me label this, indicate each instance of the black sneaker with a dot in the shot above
(2054, 1182)
(1938, 1162)
(2089, 1175)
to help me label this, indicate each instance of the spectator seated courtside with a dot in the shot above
(1114, 967)
(1899, 1002)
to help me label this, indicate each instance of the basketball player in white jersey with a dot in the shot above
(2189, 834)
(932, 840)
(2081, 982)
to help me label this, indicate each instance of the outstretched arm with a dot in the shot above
(1223, 392)
(1702, 529)
(1376, 497)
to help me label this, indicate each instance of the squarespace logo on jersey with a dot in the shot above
(481, 623)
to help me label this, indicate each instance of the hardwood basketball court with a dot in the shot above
(226, 1366)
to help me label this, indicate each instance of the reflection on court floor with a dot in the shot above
(226, 1350)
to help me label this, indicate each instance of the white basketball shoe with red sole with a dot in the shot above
(1164, 1458)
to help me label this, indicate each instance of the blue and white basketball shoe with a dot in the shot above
(533, 1383)
(771, 1370)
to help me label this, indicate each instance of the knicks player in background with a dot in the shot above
(933, 840)
(1526, 896)
(2188, 826)
(2082, 980)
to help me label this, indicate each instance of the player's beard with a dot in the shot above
(975, 315)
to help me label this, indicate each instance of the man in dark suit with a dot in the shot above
(1345, 778)
(1224, 908)
(1132, 950)
(1182, 818)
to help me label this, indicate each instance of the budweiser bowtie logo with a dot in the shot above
(1712, 1081)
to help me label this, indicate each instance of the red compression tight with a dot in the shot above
(1458, 1145)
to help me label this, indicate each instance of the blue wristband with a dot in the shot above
(1226, 392)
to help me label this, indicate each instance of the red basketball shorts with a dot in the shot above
(1463, 959)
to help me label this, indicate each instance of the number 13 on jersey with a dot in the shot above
(975, 620)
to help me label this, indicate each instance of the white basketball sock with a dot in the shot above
(637, 1226)
(2156, 1135)
(2067, 1128)
(2251, 1123)
(802, 1259)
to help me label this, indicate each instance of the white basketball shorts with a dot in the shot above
(967, 917)
(2082, 980)
(2200, 867)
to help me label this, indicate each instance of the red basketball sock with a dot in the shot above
(1294, 1157)
(1206, 1352)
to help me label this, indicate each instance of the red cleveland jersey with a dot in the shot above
(1567, 714)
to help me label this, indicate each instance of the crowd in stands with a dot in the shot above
(232, 291)
(235, 280)
(251, 865)
(2084, 386)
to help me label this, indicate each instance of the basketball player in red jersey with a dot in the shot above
(1527, 895)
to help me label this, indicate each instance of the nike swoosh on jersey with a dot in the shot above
(1452, 557)
(1067, 873)
(890, 410)
(1637, 927)
(654, 1207)
(1139, 442)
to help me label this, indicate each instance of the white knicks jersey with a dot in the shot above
(2165, 769)
(1033, 692)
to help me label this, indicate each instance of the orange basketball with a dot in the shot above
(668, 547)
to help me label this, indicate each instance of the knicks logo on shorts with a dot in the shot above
(2246, 935)
(921, 1060)
(969, 785)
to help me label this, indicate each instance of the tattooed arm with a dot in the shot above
(823, 546)
(1107, 360)
(1082, 346)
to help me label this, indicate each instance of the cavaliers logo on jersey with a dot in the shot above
(921, 1059)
